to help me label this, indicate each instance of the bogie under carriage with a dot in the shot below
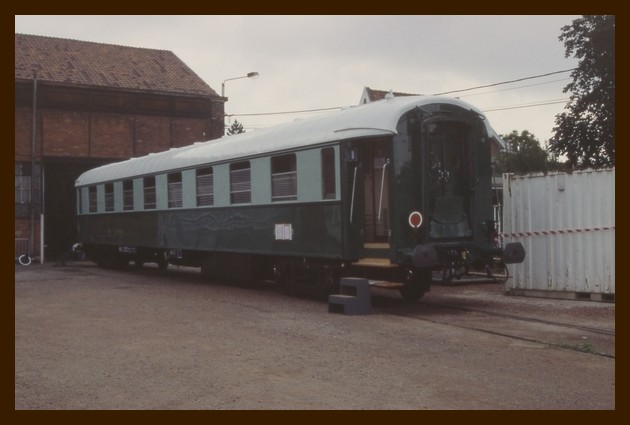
(391, 191)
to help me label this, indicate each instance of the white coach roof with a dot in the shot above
(372, 119)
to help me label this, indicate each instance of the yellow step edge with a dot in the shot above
(376, 245)
(375, 262)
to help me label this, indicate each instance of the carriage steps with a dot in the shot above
(354, 297)
(375, 254)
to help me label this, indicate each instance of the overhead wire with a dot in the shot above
(504, 82)
(527, 105)
(285, 112)
(516, 88)
(541, 103)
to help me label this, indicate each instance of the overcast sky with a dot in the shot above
(313, 62)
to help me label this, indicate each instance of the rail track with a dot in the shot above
(456, 311)
(529, 319)
(478, 304)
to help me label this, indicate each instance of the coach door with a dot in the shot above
(449, 166)
(376, 167)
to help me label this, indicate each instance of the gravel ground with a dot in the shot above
(88, 338)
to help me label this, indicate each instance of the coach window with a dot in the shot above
(109, 197)
(92, 199)
(149, 193)
(175, 190)
(127, 195)
(328, 173)
(205, 187)
(240, 183)
(283, 178)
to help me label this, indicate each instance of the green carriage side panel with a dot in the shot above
(312, 230)
(295, 230)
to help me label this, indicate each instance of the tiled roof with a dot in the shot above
(84, 63)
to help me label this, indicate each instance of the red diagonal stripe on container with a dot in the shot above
(554, 232)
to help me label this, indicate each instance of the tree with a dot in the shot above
(586, 133)
(523, 154)
(553, 163)
(235, 128)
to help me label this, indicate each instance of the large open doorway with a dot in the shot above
(60, 221)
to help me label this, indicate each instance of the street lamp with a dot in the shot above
(249, 75)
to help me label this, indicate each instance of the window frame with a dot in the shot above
(284, 178)
(204, 198)
(28, 192)
(149, 192)
(92, 199)
(329, 173)
(109, 197)
(241, 182)
(127, 191)
(175, 190)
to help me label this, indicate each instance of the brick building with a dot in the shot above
(82, 104)
(371, 95)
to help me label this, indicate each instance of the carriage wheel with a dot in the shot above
(162, 261)
(416, 283)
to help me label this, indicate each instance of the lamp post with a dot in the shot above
(249, 75)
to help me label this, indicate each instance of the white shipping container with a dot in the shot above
(566, 222)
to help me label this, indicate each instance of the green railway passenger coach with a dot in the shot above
(389, 190)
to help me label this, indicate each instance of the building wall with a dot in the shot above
(104, 135)
(23, 230)
(152, 133)
(23, 132)
(66, 133)
(88, 127)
